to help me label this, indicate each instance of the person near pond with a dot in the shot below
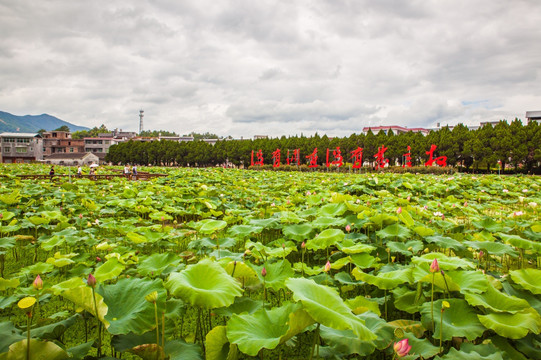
(79, 171)
(134, 172)
(127, 171)
(51, 172)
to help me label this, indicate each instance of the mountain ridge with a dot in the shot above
(33, 123)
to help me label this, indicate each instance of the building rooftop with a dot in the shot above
(10, 134)
(533, 114)
(71, 156)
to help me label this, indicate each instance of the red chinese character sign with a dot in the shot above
(259, 158)
(441, 160)
(338, 159)
(357, 156)
(407, 157)
(295, 158)
(380, 157)
(276, 158)
(313, 159)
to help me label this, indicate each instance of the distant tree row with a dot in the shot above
(514, 144)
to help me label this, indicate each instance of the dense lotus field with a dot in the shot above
(233, 264)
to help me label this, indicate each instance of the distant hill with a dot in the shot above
(33, 123)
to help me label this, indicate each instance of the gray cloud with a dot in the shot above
(241, 67)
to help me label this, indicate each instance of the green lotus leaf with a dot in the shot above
(11, 198)
(6, 242)
(533, 300)
(382, 219)
(420, 347)
(423, 231)
(363, 260)
(82, 297)
(497, 301)
(470, 281)
(410, 326)
(79, 352)
(269, 223)
(72, 283)
(394, 231)
(157, 263)
(243, 231)
(108, 270)
(406, 218)
(241, 305)
(445, 242)
(323, 222)
(513, 326)
(520, 242)
(445, 262)
(10, 335)
(136, 238)
(325, 239)
(205, 284)
(488, 350)
(488, 224)
(504, 345)
(459, 320)
(244, 273)
(529, 279)
(38, 350)
(277, 273)
(8, 283)
(129, 311)
(263, 329)
(349, 247)
(408, 248)
(408, 300)
(7, 301)
(150, 351)
(38, 220)
(160, 216)
(54, 331)
(298, 232)
(493, 248)
(361, 304)
(209, 226)
(52, 242)
(180, 350)
(384, 280)
(217, 346)
(125, 342)
(346, 342)
(455, 354)
(326, 307)
(6, 215)
(332, 210)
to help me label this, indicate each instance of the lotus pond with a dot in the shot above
(234, 264)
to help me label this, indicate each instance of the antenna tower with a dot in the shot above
(141, 114)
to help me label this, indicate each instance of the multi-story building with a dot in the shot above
(396, 129)
(55, 142)
(533, 116)
(100, 146)
(20, 147)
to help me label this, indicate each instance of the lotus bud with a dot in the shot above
(38, 283)
(481, 253)
(465, 204)
(91, 281)
(263, 272)
(273, 204)
(327, 266)
(434, 267)
(98, 259)
(348, 228)
(399, 210)
(303, 245)
(402, 347)
(408, 198)
(163, 218)
(152, 297)
(80, 216)
(283, 245)
(1, 215)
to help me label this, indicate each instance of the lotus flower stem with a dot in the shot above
(97, 318)
(432, 302)
(28, 322)
(163, 332)
(316, 336)
(157, 329)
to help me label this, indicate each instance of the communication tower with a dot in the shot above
(141, 114)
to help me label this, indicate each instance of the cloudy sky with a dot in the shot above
(247, 67)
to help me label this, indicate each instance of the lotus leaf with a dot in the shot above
(493, 248)
(411, 326)
(10, 335)
(128, 310)
(349, 247)
(243, 231)
(82, 297)
(324, 222)
(277, 273)
(445, 242)
(384, 280)
(108, 270)
(445, 262)
(394, 231)
(423, 231)
(38, 350)
(509, 350)
(420, 347)
(497, 301)
(298, 232)
(408, 300)
(325, 239)
(205, 284)
(217, 346)
(361, 304)
(332, 210)
(488, 224)
(408, 248)
(326, 307)
(54, 331)
(529, 279)
(8, 284)
(513, 326)
(459, 320)
(157, 263)
(363, 260)
(454, 354)
(80, 351)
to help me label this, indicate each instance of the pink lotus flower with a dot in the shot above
(91, 281)
(263, 272)
(402, 347)
(348, 228)
(481, 253)
(505, 190)
(80, 216)
(38, 283)
(327, 266)
(98, 259)
(303, 245)
(434, 267)
(399, 210)
(308, 193)
(465, 204)
(408, 198)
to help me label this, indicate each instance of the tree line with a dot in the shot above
(514, 144)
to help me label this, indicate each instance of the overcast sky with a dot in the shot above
(258, 67)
